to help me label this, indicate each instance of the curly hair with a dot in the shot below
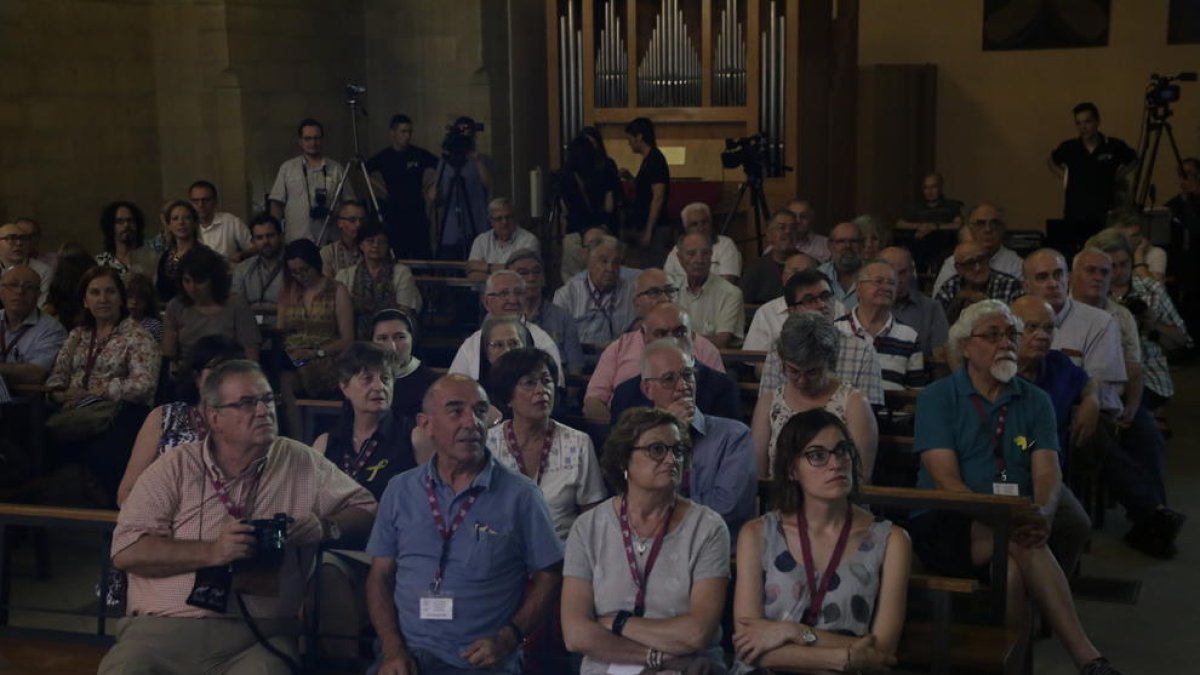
(618, 447)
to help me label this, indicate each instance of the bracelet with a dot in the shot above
(517, 632)
(618, 625)
(654, 659)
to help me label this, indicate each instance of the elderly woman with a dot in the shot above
(103, 380)
(559, 459)
(206, 308)
(377, 281)
(396, 331)
(180, 232)
(789, 615)
(646, 572)
(985, 430)
(497, 336)
(808, 348)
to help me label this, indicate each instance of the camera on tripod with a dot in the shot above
(1160, 92)
(749, 152)
(354, 91)
(460, 139)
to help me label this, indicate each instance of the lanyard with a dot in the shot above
(639, 580)
(997, 446)
(605, 303)
(818, 590)
(353, 463)
(264, 285)
(5, 346)
(515, 451)
(447, 534)
(222, 489)
(93, 353)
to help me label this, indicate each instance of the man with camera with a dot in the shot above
(240, 514)
(304, 188)
(464, 181)
(402, 173)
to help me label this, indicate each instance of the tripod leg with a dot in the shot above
(333, 205)
(737, 204)
(1150, 159)
(762, 214)
(362, 167)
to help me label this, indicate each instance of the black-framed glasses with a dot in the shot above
(977, 262)
(507, 293)
(795, 372)
(667, 291)
(26, 287)
(812, 299)
(818, 455)
(996, 335)
(672, 379)
(994, 223)
(658, 451)
(531, 383)
(247, 405)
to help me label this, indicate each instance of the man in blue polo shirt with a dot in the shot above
(455, 544)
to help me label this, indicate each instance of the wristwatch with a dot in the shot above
(320, 353)
(808, 637)
(333, 532)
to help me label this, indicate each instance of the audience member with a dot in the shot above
(575, 252)
(178, 546)
(33, 228)
(714, 304)
(377, 281)
(14, 250)
(464, 180)
(606, 170)
(1148, 261)
(143, 305)
(599, 301)
(761, 282)
(586, 194)
(651, 192)
(29, 338)
(846, 248)
(727, 260)
(124, 229)
(768, 318)
(62, 300)
(651, 288)
(537, 309)
(853, 621)
(205, 307)
(221, 231)
(1185, 206)
(403, 174)
(258, 279)
(875, 235)
(396, 330)
(985, 226)
(716, 393)
(902, 365)
(975, 280)
(343, 252)
(666, 552)
(913, 308)
(984, 430)
(934, 222)
(1090, 275)
(807, 241)
(304, 187)
(442, 602)
(1089, 167)
(179, 235)
(491, 249)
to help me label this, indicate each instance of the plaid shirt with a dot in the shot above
(1000, 286)
(857, 365)
(1157, 373)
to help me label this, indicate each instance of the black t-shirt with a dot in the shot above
(762, 280)
(402, 171)
(409, 390)
(942, 211)
(654, 170)
(584, 198)
(1091, 176)
(392, 453)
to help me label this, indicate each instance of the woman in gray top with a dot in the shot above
(790, 611)
(645, 573)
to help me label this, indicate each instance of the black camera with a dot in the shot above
(1136, 305)
(1161, 92)
(320, 207)
(270, 535)
(748, 152)
(353, 91)
(460, 139)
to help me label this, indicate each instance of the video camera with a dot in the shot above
(354, 91)
(749, 152)
(1161, 93)
(460, 139)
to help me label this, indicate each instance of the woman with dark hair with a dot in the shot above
(180, 421)
(497, 336)
(606, 172)
(180, 231)
(124, 230)
(396, 330)
(846, 616)
(584, 193)
(646, 572)
(143, 304)
(205, 307)
(103, 380)
(62, 301)
(316, 319)
(377, 281)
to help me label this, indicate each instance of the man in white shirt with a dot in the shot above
(768, 319)
(221, 231)
(727, 260)
(986, 227)
(303, 192)
(490, 250)
(714, 304)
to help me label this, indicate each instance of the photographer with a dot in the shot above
(401, 173)
(194, 531)
(303, 191)
(464, 181)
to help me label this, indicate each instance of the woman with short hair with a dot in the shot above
(205, 307)
(377, 281)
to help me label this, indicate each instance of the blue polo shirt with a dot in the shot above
(506, 536)
(946, 418)
(723, 474)
(1063, 382)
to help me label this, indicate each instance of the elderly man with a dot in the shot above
(902, 365)
(768, 319)
(1091, 275)
(845, 246)
(620, 360)
(721, 472)
(985, 226)
(857, 362)
(714, 304)
(761, 282)
(221, 231)
(449, 603)
(504, 295)
(716, 392)
(600, 301)
(14, 251)
(338, 255)
(183, 538)
(304, 188)
(726, 261)
(258, 279)
(985, 430)
(975, 280)
(491, 249)
(807, 241)
(556, 321)
(914, 308)
(29, 339)
(934, 221)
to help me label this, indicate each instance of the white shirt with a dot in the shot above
(768, 322)
(726, 260)
(717, 308)
(466, 361)
(226, 234)
(488, 247)
(296, 187)
(1092, 339)
(1005, 260)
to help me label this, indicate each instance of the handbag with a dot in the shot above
(81, 422)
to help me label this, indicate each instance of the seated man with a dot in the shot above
(29, 339)
(914, 308)
(721, 472)
(714, 304)
(846, 243)
(985, 226)
(934, 221)
(599, 300)
(490, 250)
(902, 365)
(761, 282)
(221, 231)
(443, 602)
(984, 430)
(768, 319)
(14, 250)
(807, 241)
(727, 260)
(343, 252)
(258, 279)
(538, 309)
(182, 538)
(975, 280)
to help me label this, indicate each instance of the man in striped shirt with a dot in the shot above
(901, 363)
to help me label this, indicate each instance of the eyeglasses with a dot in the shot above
(507, 294)
(672, 379)
(994, 223)
(681, 332)
(659, 292)
(505, 344)
(247, 405)
(811, 299)
(818, 456)
(17, 238)
(972, 263)
(28, 287)
(531, 383)
(528, 271)
(879, 281)
(658, 451)
(996, 335)
(1031, 327)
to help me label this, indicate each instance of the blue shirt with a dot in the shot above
(559, 325)
(847, 296)
(723, 475)
(36, 341)
(1063, 382)
(506, 536)
(716, 394)
(946, 418)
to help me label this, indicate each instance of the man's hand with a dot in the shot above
(684, 409)
(400, 663)
(1031, 527)
(235, 542)
(1126, 417)
(925, 229)
(490, 652)
(1084, 422)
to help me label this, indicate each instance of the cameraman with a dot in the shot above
(303, 191)
(402, 174)
(183, 538)
(464, 181)
(652, 188)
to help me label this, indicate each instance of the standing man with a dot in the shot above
(490, 250)
(846, 247)
(221, 231)
(807, 241)
(14, 250)
(1089, 166)
(464, 559)
(258, 279)
(402, 174)
(303, 191)
(714, 304)
(762, 282)
(652, 188)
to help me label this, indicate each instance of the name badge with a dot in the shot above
(437, 607)
(624, 669)
(1008, 489)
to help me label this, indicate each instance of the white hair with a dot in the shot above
(972, 316)
(664, 345)
(694, 206)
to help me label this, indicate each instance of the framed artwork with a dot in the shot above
(1045, 24)
(1183, 22)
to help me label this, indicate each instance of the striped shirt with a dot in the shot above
(1161, 310)
(857, 366)
(901, 363)
(1000, 286)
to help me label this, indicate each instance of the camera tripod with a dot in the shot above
(458, 202)
(758, 204)
(356, 161)
(1157, 122)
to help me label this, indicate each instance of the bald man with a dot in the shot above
(600, 301)
(975, 280)
(902, 365)
(761, 282)
(29, 339)
(985, 225)
(16, 242)
(914, 308)
(846, 242)
(726, 259)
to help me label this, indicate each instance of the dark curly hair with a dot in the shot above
(201, 263)
(108, 225)
(618, 447)
(510, 368)
(786, 495)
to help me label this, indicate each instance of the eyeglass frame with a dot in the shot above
(993, 337)
(668, 290)
(248, 405)
(678, 450)
(845, 449)
(675, 376)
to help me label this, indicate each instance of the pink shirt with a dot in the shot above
(621, 360)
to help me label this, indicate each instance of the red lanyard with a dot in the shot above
(639, 580)
(447, 534)
(998, 438)
(818, 591)
(93, 353)
(515, 451)
(238, 510)
(352, 464)
(5, 347)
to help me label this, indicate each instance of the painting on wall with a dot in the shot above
(1183, 22)
(1045, 24)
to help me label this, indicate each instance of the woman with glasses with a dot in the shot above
(497, 336)
(821, 584)
(180, 232)
(377, 281)
(646, 572)
(808, 347)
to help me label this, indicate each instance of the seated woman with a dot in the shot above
(377, 281)
(395, 330)
(316, 319)
(108, 361)
(62, 300)
(180, 421)
(646, 572)
(204, 307)
(845, 616)
(143, 304)
(808, 347)
(180, 234)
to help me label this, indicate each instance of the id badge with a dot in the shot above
(437, 606)
(1007, 489)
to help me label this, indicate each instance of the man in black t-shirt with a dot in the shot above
(652, 187)
(400, 174)
(1091, 165)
